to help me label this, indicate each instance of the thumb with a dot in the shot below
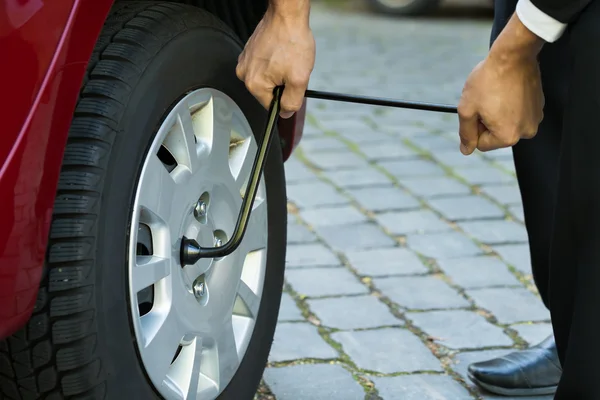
(468, 131)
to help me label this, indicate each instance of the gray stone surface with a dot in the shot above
(378, 199)
(533, 333)
(356, 312)
(478, 272)
(310, 255)
(322, 144)
(442, 245)
(355, 236)
(295, 172)
(420, 293)
(484, 175)
(421, 387)
(505, 194)
(510, 305)
(317, 282)
(314, 194)
(337, 160)
(384, 262)
(297, 234)
(516, 255)
(386, 150)
(311, 382)
(495, 231)
(403, 223)
(331, 216)
(466, 208)
(460, 329)
(357, 178)
(299, 341)
(452, 159)
(288, 310)
(412, 168)
(387, 350)
(435, 187)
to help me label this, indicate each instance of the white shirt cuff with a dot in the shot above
(538, 22)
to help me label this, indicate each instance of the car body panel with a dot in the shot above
(50, 44)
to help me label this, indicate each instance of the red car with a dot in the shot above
(127, 129)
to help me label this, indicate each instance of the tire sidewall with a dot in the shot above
(199, 57)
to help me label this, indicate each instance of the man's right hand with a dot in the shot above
(281, 51)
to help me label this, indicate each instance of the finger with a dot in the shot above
(261, 89)
(293, 96)
(468, 130)
(489, 141)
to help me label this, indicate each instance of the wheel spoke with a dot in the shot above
(241, 163)
(195, 369)
(247, 302)
(181, 140)
(227, 352)
(149, 270)
(256, 234)
(221, 116)
(163, 336)
(156, 189)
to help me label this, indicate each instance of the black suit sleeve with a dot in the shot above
(564, 11)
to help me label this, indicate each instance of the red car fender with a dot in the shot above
(45, 46)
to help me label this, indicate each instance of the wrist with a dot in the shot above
(290, 9)
(516, 43)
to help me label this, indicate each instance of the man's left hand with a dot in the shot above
(502, 100)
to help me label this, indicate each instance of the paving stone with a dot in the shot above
(317, 282)
(351, 178)
(518, 212)
(484, 175)
(420, 387)
(297, 233)
(384, 262)
(460, 329)
(435, 187)
(412, 168)
(288, 310)
(331, 216)
(420, 293)
(499, 154)
(495, 231)
(504, 194)
(387, 150)
(533, 333)
(347, 124)
(338, 160)
(455, 158)
(442, 245)
(510, 305)
(323, 144)
(478, 272)
(314, 194)
(387, 350)
(313, 381)
(356, 312)
(434, 143)
(507, 165)
(516, 255)
(295, 341)
(310, 255)
(364, 137)
(355, 236)
(379, 199)
(466, 208)
(296, 171)
(402, 223)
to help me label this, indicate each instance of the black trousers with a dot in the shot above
(559, 177)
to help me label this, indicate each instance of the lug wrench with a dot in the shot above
(191, 251)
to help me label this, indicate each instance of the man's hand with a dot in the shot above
(502, 100)
(281, 51)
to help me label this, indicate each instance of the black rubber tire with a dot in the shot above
(79, 343)
(416, 8)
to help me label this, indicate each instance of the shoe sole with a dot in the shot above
(512, 392)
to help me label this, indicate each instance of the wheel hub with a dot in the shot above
(191, 343)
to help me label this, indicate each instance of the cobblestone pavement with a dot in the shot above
(406, 260)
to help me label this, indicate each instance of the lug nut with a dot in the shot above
(200, 209)
(199, 289)
(218, 242)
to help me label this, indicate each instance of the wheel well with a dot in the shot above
(241, 16)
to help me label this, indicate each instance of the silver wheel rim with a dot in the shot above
(193, 324)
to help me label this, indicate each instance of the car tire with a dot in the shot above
(80, 342)
(408, 8)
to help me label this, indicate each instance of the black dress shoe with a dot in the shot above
(531, 372)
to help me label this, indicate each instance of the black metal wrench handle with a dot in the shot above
(191, 251)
